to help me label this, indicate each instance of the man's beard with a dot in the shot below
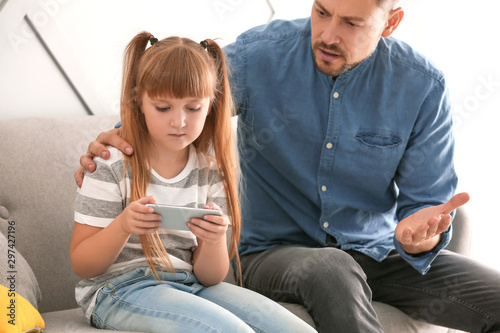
(333, 72)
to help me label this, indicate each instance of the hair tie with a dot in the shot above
(204, 43)
(152, 39)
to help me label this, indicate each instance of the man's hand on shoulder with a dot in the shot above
(421, 231)
(98, 148)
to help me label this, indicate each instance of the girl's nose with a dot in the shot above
(178, 119)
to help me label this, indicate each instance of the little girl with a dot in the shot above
(175, 109)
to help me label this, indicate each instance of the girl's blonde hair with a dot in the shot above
(179, 68)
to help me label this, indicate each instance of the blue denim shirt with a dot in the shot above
(338, 162)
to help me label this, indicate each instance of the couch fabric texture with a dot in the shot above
(38, 158)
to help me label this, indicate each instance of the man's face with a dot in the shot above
(344, 33)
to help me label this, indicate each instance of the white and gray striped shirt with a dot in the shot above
(100, 200)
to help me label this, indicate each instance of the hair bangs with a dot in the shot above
(179, 73)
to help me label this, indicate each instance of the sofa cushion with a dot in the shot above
(392, 319)
(15, 273)
(72, 320)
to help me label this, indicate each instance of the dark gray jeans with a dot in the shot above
(337, 287)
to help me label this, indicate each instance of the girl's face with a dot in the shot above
(173, 123)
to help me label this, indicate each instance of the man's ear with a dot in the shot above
(393, 21)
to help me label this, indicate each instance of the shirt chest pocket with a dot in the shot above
(373, 156)
(378, 139)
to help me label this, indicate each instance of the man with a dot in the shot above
(346, 148)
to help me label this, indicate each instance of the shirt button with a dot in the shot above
(336, 95)
(329, 145)
(325, 224)
(323, 188)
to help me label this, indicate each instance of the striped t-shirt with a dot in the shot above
(100, 200)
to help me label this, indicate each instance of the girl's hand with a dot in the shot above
(212, 229)
(210, 258)
(137, 218)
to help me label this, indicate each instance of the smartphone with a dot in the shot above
(175, 217)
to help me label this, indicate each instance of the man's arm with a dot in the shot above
(426, 179)
(98, 148)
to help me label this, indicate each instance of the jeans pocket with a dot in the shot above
(126, 279)
(96, 322)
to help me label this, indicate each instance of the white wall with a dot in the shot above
(88, 37)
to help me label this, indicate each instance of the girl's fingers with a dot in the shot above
(211, 205)
(211, 223)
(145, 216)
(213, 219)
(146, 227)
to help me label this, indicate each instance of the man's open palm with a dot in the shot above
(420, 231)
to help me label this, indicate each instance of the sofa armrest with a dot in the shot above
(462, 233)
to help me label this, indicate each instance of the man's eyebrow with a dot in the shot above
(317, 3)
(347, 18)
(353, 18)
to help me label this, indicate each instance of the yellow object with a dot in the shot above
(17, 315)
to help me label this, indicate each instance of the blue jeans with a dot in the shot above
(135, 301)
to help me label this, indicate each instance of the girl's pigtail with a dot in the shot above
(224, 147)
(131, 117)
(133, 53)
(134, 131)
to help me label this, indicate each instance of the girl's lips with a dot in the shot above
(177, 135)
(328, 56)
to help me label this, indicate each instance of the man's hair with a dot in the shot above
(387, 4)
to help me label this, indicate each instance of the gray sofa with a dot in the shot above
(37, 160)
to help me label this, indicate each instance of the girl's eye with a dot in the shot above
(194, 109)
(162, 109)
